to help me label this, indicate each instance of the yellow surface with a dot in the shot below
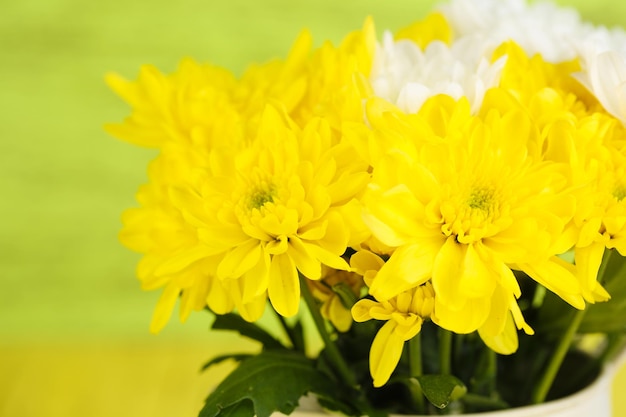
(619, 387)
(122, 380)
(73, 322)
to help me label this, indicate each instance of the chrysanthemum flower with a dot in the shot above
(404, 315)
(539, 27)
(181, 107)
(260, 215)
(216, 187)
(604, 74)
(573, 130)
(276, 208)
(406, 76)
(463, 205)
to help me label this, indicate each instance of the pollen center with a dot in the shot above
(261, 196)
(481, 198)
(472, 215)
(619, 192)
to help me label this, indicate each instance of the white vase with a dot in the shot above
(592, 401)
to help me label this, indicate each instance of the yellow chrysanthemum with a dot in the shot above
(404, 315)
(256, 216)
(237, 191)
(600, 221)
(337, 79)
(181, 107)
(464, 202)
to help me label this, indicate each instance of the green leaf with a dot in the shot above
(219, 359)
(441, 389)
(232, 321)
(241, 409)
(271, 381)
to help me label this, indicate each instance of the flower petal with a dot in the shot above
(408, 267)
(284, 288)
(385, 353)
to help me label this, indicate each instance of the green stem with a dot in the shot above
(331, 349)
(545, 383)
(604, 265)
(445, 351)
(541, 391)
(295, 341)
(415, 368)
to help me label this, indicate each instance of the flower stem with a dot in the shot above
(332, 351)
(542, 389)
(415, 368)
(545, 383)
(445, 351)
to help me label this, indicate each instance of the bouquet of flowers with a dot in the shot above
(445, 206)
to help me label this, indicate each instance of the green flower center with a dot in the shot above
(619, 192)
(481, 198)
(260, 196)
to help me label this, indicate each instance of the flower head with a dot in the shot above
(463, 206)
(404, 315)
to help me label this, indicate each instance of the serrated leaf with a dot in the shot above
(234, 322)
(219, 359)
(441, 389)
(272, 381)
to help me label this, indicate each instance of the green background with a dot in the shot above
(74, 335)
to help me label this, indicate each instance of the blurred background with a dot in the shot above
(74, 337)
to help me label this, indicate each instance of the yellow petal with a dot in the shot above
(557, 276)
(284, 288)
(218, 297)
(385, 353)
(408, 267)
(255, 281)
(253, 310)
(361, 310)
(477, 279)
(463, 319)
(339, 315)
(588, 260)
(304, 260)
(505, 342)
(446, 274)
(182, 260)
(394, 216)
(164, 307)
(240, 260)
(326, 257)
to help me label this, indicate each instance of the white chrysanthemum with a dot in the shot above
(603, 62)
(406, 76)
(558, 34)
(544, 28)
